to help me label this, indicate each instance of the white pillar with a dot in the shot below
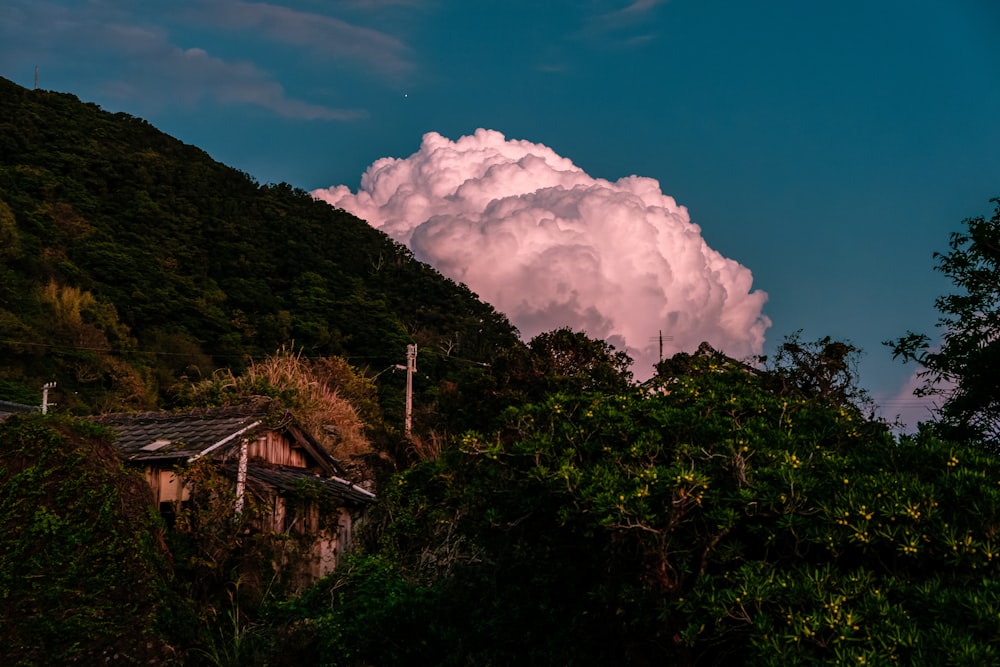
(241, 475)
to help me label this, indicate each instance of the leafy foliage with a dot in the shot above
(178, 265)
(232, 564)
(825, 369)
(571, 361)
(366, 612)
(966, 367)
(721, 515)
(556, 361)
(719, 522)
(83, 569)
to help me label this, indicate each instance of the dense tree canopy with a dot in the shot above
(546, 511)
(571, 361)
(131, 263)
(824, 369)
(562, 360)
(715, 522)
(965, 369)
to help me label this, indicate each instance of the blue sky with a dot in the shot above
(829, 147)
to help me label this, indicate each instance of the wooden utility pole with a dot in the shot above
(411, 368)
(45, 396)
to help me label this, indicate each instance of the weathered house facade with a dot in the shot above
(277, 469)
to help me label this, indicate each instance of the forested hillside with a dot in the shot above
(130, 261)
(545, 510)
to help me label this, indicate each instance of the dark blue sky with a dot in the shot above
(829, 147)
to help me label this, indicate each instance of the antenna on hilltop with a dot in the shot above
(36, 77)
(662, 338)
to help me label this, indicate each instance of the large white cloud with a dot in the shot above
(550, 246)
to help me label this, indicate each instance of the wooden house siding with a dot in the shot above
(277, 449)
(328, 540)
(167, 486)
(291, 517)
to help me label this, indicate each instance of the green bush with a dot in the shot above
(711, 522)
(84, 575)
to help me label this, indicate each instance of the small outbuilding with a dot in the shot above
(293, 484)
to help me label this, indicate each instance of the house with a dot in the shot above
(294, 485)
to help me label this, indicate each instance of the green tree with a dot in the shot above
(825, 369)
(561, 360)
(716, 522)
(195, 261)
(571, 361)
(965, 369)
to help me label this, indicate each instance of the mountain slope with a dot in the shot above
(129, 261)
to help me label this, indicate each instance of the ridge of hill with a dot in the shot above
(131, 262)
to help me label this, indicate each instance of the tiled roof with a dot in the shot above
(175, 437)
(7, 409)
(147, 436)
(293, 479)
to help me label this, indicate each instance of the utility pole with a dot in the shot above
(241, 475)
(411, 368)
(45, 396)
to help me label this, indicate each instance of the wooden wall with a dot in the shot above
(278, 449)
(167, 487)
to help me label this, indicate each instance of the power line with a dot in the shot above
(137, 352)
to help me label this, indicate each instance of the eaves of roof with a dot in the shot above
(8, 408)
(288, 479)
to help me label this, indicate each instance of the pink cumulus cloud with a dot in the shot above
(551, 246)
